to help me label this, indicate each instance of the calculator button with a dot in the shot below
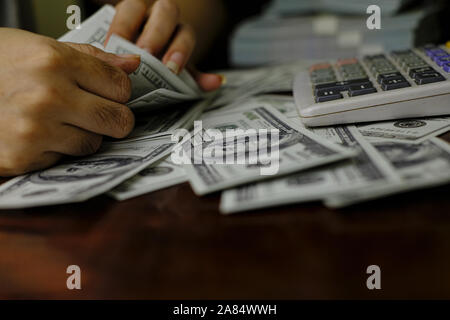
(342, 62)
(428, 77)
(375, 57)
(446, 67)
(443, 60)
(413, 72)
(341, 85)
(388, 76)
(328, 95)
(435, 51)
(394, 83)
(440, 54)
(319, 66)
(322, 80)
(360, 90)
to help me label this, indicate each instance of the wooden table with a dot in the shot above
(174, 245)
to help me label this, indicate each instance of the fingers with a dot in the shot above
(73, 141)
(207, 81)
(100, 116)
(130, 14)
(160, 27)
(128, 62)
(97, 76)
(180, 50)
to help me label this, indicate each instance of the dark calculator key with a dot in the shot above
(375, 57)
(441, 61)
(339, 86)
(328, 95)
(415, 71)
(402, 52)
(388, 76)
(396, 83)
(360, 90)
(440, 55)
(436, 51)
(446, 67)
(428, 77)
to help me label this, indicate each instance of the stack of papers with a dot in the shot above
(334, 29)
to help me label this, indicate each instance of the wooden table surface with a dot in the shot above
(174, 245)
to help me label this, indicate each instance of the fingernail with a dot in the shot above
(176, 60)
(223, 78)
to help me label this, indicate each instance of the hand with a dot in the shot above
(58, 99)
(163, 35)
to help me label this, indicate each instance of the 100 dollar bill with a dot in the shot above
(367, 168)
(298, 149)
(81, 179)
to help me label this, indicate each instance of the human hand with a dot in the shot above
(58, 99)
(162, 36)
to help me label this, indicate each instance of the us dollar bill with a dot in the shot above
(164, 122)
(367, 168)
(153, 84)
(406, 130)
(421, 165)
(242, 84)
(80, 179)
(94, 29)
(160, 176)
(297, 149)
(284, 104)
(152, 74)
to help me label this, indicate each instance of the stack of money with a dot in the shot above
(270, 158)
(323, 29)
(289, 7)
(392, 157)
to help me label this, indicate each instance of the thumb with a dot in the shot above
(127, 62)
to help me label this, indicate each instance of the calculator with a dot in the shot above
(401, 84)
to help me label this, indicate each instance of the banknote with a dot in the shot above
(242, 84)
(297, 149)
(80, 179)
(165, 121)
(367, 168)
(422, 165)
(151, 75)
(406, 130)
(160, 176)
(153, 84)
(94, 29)
(285, 104)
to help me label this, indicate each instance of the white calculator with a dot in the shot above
(412, 83)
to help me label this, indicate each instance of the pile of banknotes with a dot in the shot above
(327, 29)
(339, 165)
